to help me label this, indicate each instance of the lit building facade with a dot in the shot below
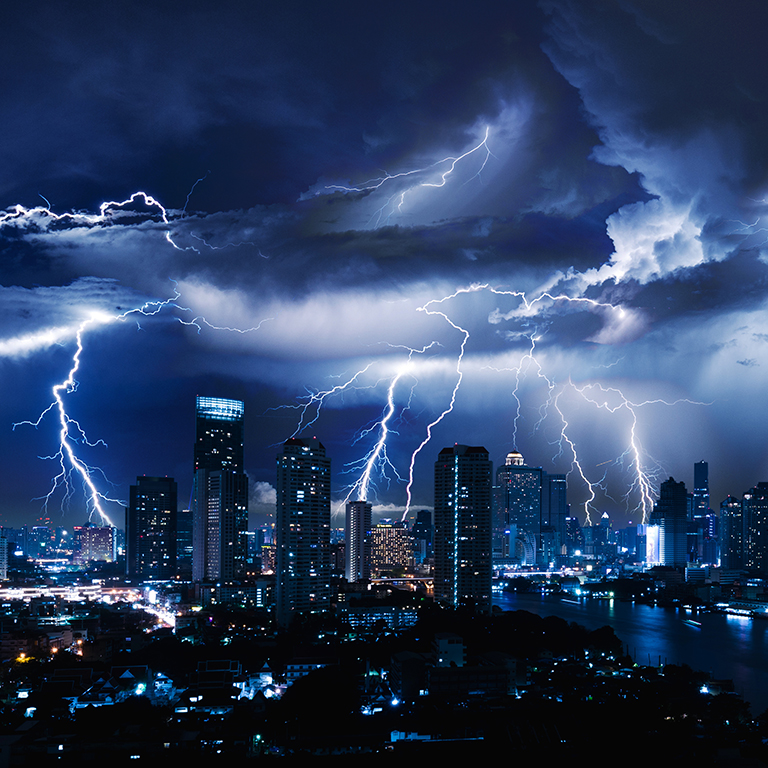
(700, 489)
(755, 516)
(732, 533)
(303, 529)
(530, 510)
(357, 533)
(463, 569)
(150, 529)
(422, 532)
(220, 495)
(93, 543)
(670, 515)
(391, 546)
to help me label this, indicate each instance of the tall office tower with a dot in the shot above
(463, 566)
(574, 535)
(755, 505)
(220, 504)
(303, 529)
(184, 543)
(41, 542)
(700, 489)
(519, 502)
(391, 545)
(500, 548)
(357, 530)
(669, 514)
(422, 532)
(554, 510)
(731, 533)
(150, 529)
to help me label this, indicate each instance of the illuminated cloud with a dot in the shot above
(624, 177)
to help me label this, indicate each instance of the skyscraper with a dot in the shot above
(220, 511)
(463, 526)
(554, 511)
(755, 517)
(150, 529)
(422, 533)
(700, 489)
(357, 530)
(732, 532)
(303, 529)
(669, 514)
(519, 504)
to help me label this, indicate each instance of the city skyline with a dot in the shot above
(533, 218)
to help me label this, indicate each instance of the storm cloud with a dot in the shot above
(328, 205)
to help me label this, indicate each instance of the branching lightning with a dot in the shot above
(437, 175)
(552, 400)
(110, 212)
(312, 405)
(645, 480)
(376, 458)
(72, 433)
(66, 457)
(452, 401)
(533, 311)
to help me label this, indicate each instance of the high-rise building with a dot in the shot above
(93, 543)
(391, 545)
(670, 514)
(357, 536)
(463, 568)
(41, 542)
(574, 535)
(303, 529)
(700, 489)
(755, 517)
(530, 511)
(554, 511)
(732, 533)
(422, 532)
(150, 529)
(220, 511)
(184, 543)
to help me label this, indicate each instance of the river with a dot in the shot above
(726, 647)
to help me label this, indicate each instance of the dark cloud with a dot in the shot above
(623, 174)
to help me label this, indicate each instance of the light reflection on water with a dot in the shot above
(726, 646)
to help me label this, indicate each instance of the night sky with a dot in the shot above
(328, 182)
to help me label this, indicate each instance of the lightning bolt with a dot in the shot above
(575, 463)
(645, 470)
(312, 405)
(552, 400)
(110, 213)
(645, 481)
(72, 433)
(66, 454)
(189, 194)
(376, 458)
(530, 310)
(437, 175)
(459, 377)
